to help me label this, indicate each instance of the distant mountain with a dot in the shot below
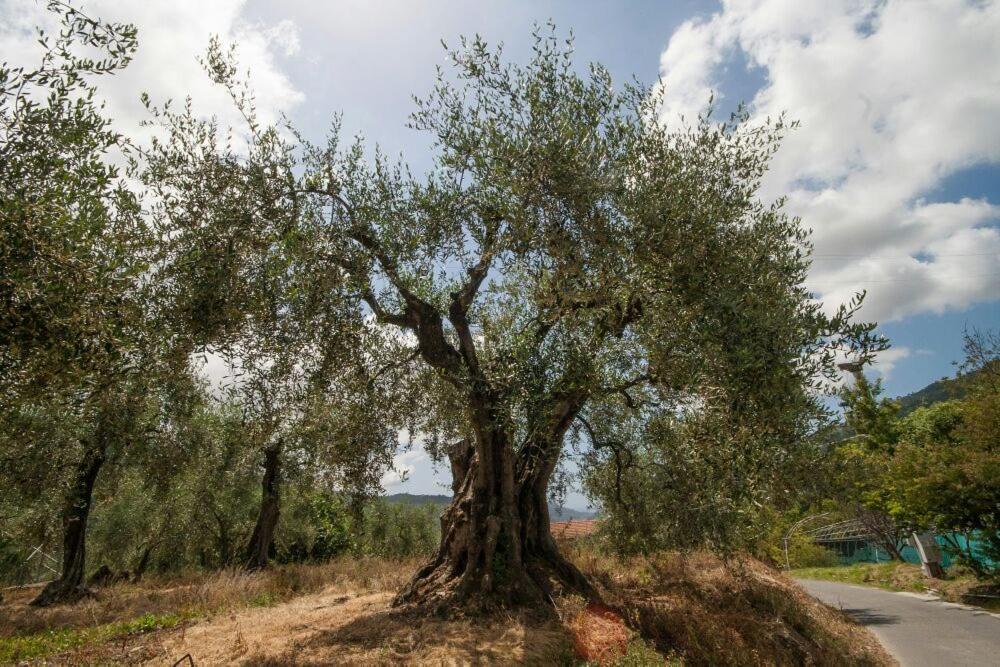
(418, 499)
(565, 514)
(942, 390)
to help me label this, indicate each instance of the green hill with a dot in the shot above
(942, 390)
(418, 499)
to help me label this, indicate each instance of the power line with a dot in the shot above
(931, 254)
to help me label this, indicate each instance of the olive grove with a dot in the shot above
(572, 275)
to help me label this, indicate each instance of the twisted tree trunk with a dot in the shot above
(259, 548)
(70, 586)
(496, 548)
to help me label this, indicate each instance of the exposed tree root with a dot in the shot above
(496, 553)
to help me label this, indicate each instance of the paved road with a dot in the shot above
(919, 630)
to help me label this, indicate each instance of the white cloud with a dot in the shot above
(173, 34)
(886, 360)
(403, 465)
(892, 98)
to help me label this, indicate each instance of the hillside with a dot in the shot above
(555, 513)
(941, 390)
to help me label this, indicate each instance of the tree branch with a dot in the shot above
(624, 387)
(381, 314)
(463, 298)
(616, 449)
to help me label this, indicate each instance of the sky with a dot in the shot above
(895, 165)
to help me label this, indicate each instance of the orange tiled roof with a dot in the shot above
(568, 530)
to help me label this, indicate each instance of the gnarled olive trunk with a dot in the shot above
(496, 549)
(259, 548)
(69, 586)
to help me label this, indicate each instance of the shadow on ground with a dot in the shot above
(393, 636)
(870, 616)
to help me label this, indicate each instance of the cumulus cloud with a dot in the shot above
(173, 34)
(892, 97)
(886, 360)
(403, 465)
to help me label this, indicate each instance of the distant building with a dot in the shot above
(572, 529)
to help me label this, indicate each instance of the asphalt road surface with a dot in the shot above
(919, 630)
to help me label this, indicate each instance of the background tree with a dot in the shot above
(566, 249)
(239, 259)
(945, 469)
(79, 333)
(861, 464)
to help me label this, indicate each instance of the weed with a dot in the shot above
(16, 649)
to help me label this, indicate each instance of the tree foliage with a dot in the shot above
(570, 270)
(72, 244)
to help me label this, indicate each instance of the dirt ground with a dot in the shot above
(682, 609)
(331, 628)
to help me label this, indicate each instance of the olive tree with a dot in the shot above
(565, 249)
(238, 262)
(79, 336)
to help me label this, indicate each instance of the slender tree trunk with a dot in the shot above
(143, 564)
(69, 586)
(223, 541)
(496, 549)
(224, 544)
(258, 550)
(892, 549)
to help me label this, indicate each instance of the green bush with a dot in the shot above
(315, 527)
(804, 553)
(398, 530)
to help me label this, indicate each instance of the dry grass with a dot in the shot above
(365, 630)
(600, 635)
(713, 613)
(693, 607)
(201, 594)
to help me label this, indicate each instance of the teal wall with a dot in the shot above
(867, 552)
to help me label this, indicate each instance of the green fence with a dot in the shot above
(866, 551)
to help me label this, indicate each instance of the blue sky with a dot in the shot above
(366, 59)
(896, 165)
(343, 59)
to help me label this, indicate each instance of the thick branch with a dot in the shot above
(540, 451)
(462, 299)
(419, 315)
(360, 233)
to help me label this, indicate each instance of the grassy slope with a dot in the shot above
(737, 613)
(691, 610)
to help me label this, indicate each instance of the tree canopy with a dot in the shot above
(571, 271)
(570, 254)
